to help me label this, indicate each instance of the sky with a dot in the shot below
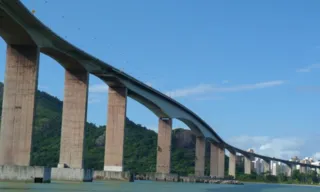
(249, 68)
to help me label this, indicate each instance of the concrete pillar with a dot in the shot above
(74, 118)
(164, 145)
(247, 165)
(214, 160)
(20, 85)
(117, 107)
(302, 169)
(221, 162)
(200, 156)
(289, 171)
(266, 166)
(232, 164)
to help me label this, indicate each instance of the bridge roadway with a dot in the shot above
(23, 32)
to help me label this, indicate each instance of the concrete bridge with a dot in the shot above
(26, 38)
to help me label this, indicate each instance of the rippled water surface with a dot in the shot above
(139, 186)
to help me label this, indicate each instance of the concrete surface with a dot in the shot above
(25, 173)
(71, 174)
(164, 145)
(117, 106)
(20, 84)
(74, 117)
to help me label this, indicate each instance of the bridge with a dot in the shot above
(26, 38)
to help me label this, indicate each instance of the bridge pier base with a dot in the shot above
(117, 104)
(71, 174)
(200, 156)
(30, 174)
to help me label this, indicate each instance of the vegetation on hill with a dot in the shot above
(296, 178)
(140, 142)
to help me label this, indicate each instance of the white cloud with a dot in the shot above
(199, 89)
(98, 88)
(309, 68)
(208, 98)
(284, 147)
(205, 88)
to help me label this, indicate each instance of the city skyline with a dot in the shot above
(271, 104)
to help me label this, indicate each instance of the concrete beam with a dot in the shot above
(232, 164)
(247, 165)
(200, 156)
(20, 85)
(164, 145)
(117, 107)
(74, 118)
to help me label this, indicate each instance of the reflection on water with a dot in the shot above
(150, 186)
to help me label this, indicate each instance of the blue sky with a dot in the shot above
(248, 68)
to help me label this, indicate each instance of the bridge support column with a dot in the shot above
(74, 118)
(20, 85)
(302, 169)
(200, 156)
(266, 166)
(216, 161)
(289, 170)
(232, 164)
(247, 165)
(164, 145)
(117, 106)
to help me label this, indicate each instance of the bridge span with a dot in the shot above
(26, 38)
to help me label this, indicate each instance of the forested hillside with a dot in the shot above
(140, 142)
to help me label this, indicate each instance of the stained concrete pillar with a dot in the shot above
(117, 107)
(164, 145)
(247, 165)
(74, 118)
(18, 106)
(214, 160)
(221, 162)
(232, 164)
(200, 156)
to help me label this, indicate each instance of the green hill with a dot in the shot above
(140, 142)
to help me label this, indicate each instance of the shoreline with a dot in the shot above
(295, 184)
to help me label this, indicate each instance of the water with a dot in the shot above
(148, 186)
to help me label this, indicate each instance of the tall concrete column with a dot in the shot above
(214, 160)
(289, 170)
(247, 165)
(221, 162)
(117, 107)
(232, 164)
(20, 85)
(302, 169)
(200, 156)
(164, 145)
(266, 166)
(74, 118)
